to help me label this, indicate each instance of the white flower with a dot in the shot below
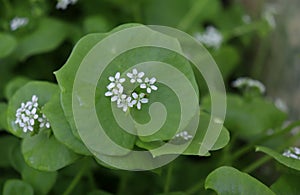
(269, 14)
(18, 22)
(115, 81)
(124, 102)
(184, 135)
(248, 82)
(44, 122)
(292, 152)
(246, 19)
(115, 93)
(211, 37)
(149, 84)
(27, 114)
(63, 4)
(139, 100)
(135, 76)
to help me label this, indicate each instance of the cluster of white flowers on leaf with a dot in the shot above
(184, 135)
(18, 22)
(292, 152)
(63, 4)
(211, 37)
(125, 101)
(28, 114)
(250, 83)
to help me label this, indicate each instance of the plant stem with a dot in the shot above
(257, 164)
(75, 180)
(195, 188)
(191, 15)
(168, 178)
(250, 147)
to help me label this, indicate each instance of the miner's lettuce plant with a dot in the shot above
(50, 143)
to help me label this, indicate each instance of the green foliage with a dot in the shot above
(74, 155)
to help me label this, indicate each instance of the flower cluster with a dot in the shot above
(63, 4)
(245, 82)
(292, 152)
(125, 101)
(28, 115)
(184, 135)
(211, 37)
(18, 22)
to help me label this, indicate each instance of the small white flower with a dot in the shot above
(281, 105)
(27, 114)
(124, 102)
(44, 121)
(115, 81)
(269, 14)
(18, 22)
(292, 152)
(149, 84)
(246, 19)
(248, 82)
(139, 100)
(63, 4)
(184, 135)
(211, 37)
(135, 76)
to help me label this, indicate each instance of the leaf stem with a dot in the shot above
(168, 178)
(250, 147)
(75, 180)
(257, 164)
(191, 15)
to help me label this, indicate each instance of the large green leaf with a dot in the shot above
(287, 184)
(48, 35)
(17, 187)
(249, 116)
(230, 181)
(41, 181)
(287, 161)
(7, 44)
(43, 152)
(194, 147)
(60, 126)
(43, 90)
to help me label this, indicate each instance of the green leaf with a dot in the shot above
(43, 90)
(41, 182)
(13, 85)
(8, 44)
(95, 24)
(45, 153)
(3, 116)
(17, 187)
(7, 144)
(287, 161)
(227, 59)
(249, 117)
(230, 181)
(60, 126)
(48, 35)
(287, 184)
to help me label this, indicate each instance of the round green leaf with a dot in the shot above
(43, 90)
(230, 181)
(41, 181)
(14, 85)
(287, 161)
(8, 44)
(48, 35)
(45, 153)
(17, 187)
(60, 126)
